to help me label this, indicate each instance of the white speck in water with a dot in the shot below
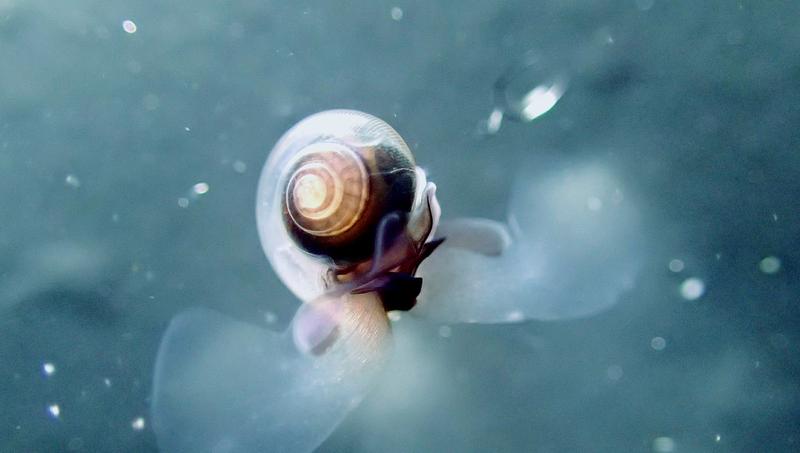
(239, 166)
(129, 26)
(394, 316)
(515, 316)
(692, 288)
(644, 5)
(115, 217)
(151, 102)
(494, 121)
(72, 181)
(107, 382)
(717, 438)
(200, 188)
(270, 317)
(54, 410)
(594, 203)
(48, 369)
(774, 216)
(663, 444)
(445, 331)
(675, 265)
(187, 129)
(397, 13)
(183, 202)
(658, 343)
(614, 372)
(770, 265)
(137, 424)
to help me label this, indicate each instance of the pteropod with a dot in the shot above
(350, 224)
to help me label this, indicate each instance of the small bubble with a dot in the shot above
(72, 181)
(614, 372)
(774, 217)
(270, 317)
(239, 166)
(137, 424)
(663, 444)
(529, 89)
(658, 343)
(129, 26)
(200, 188)
(107, 382)
(445, 331)
(397, 13)
(115, 217)
(187, 129)
(717, 438)
(183, 202)
(491, 125)
(770, 265)
(675, 265)
(692, 288)
(48, 369)
(54, 410)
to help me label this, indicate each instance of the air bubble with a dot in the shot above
(675, 265)
(692, 288)
(658, 343)
(72, 181)
(137, 424)
(129, 26)
(663, 444)
(48, 369)
(397, 13)
(54, 410)
(525, 91)
(770, 265)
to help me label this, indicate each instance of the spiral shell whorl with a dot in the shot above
(327, 189)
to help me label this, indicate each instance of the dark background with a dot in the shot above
(695, 103)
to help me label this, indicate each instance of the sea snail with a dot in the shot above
(345, 218)
(342, 207)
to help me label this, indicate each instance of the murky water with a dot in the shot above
(131, 139)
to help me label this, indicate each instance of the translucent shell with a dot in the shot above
(323, 191)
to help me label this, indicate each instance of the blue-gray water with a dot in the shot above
(105, 133)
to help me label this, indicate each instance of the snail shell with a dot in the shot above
(326, 186)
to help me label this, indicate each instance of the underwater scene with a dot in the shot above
(370, 226)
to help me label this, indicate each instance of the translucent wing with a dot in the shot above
(572, 245)
(223, 385)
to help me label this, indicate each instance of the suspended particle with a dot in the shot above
(129, 26)
(692, 288)
(770, 265)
